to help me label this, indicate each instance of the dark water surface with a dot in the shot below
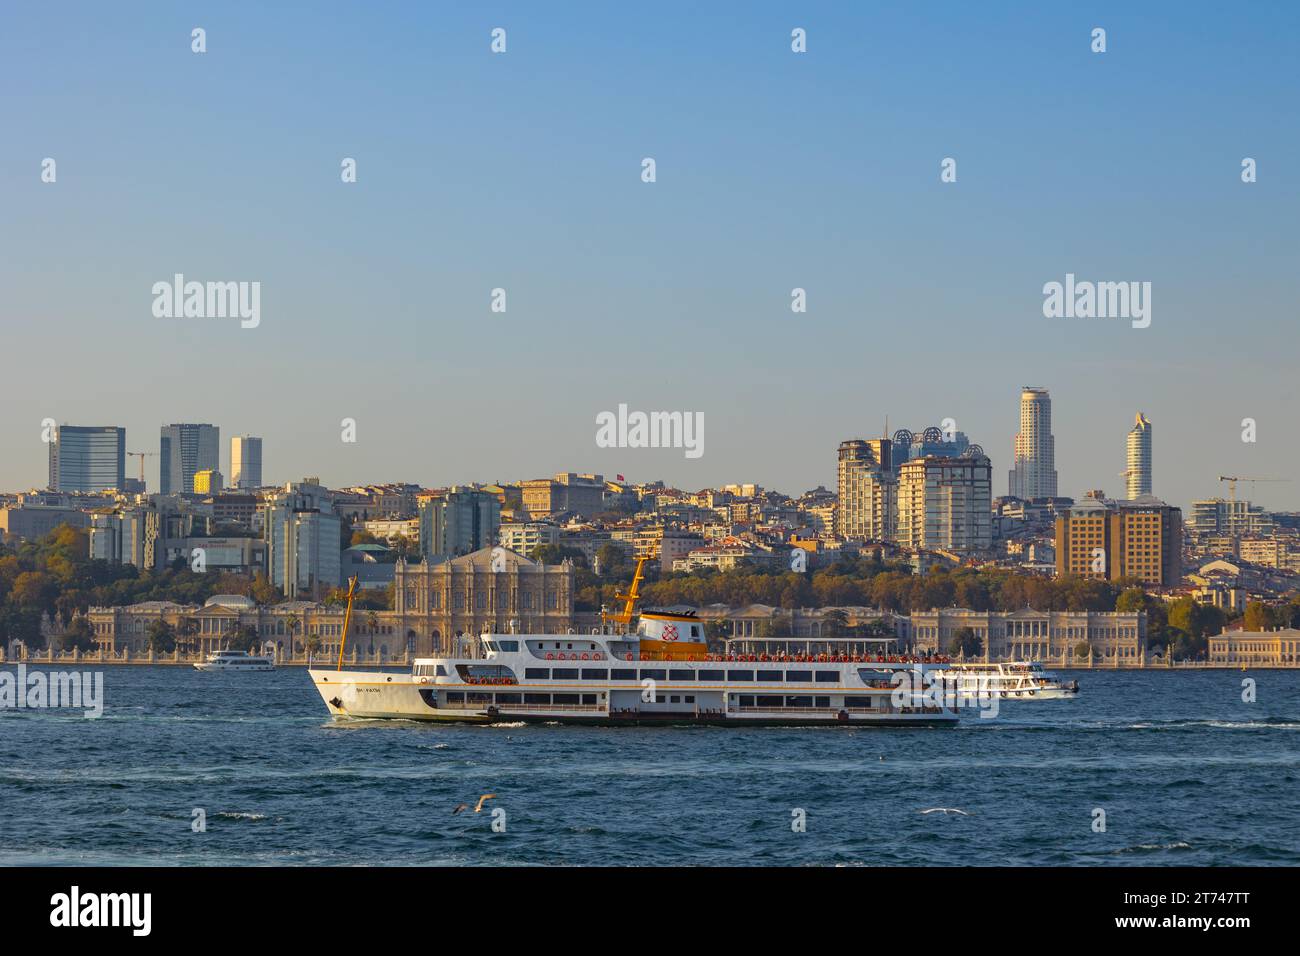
(1186, 772)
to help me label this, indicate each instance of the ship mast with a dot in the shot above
(347, 618)
(629, 599)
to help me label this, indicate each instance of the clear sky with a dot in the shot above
(775, 170)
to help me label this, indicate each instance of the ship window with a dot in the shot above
(681, 675)
(769, 676)
(537, 698)
(746, 700)
(857, 702)
(740, 675)
(804, 676)
(536, 673)
(654, 673)
(695, 630)
(589, 698)
(442, 671)
(564, 673)
(798, 701)
(595, 673)
(507, 645)
(711, 675)
(623, 673)
(508, 698)
(770, 700)
(828, 677)
(822, 702)
(455, 697)
(564, 698)
(674, 699)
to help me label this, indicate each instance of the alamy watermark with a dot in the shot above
(22, 689)
(624, 429)
(921, 687)
(179, 299)
(75, 908)
(1098, 300)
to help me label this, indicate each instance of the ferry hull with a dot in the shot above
(372, 695)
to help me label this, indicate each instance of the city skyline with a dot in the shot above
(776, 171)
(1117, 487)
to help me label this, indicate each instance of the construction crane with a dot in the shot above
(1233, 479)
(142, 455)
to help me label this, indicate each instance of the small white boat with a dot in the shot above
(236, 661)
(1012, 680)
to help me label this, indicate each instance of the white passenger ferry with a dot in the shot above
(235, 661)
(1012, 680)
(660, 673)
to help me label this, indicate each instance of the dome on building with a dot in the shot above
(230, 600)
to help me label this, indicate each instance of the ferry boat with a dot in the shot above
(235, 661)
(661, 672)
(1011, 680)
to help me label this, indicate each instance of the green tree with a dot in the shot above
(966, 643)
(1083, 650)
(1130, 600)
(612, 558)
(243, 638)
(1259, 617)
(162, 637)
(186, 632)
(556, 553)
(80, 635)
(263, 591)
(835, 622)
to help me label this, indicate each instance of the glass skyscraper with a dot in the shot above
(87, 458)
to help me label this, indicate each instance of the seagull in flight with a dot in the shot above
(946, 810)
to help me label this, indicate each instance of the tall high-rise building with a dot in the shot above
(458, 521)
(867, 490)
(1138, 473)
(245, 462)
(946, 503)
(304, 551)
(1033, 474)
(184, 451)
(1110, 540)
(87, 458)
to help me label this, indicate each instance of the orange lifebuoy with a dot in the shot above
(586, 656)
(550, 657)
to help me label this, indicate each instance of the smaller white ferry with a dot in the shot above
(1011, 680)
(236, 661)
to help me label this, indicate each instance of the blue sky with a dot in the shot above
(775, 170)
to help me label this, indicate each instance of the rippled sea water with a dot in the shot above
(1186, 772)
